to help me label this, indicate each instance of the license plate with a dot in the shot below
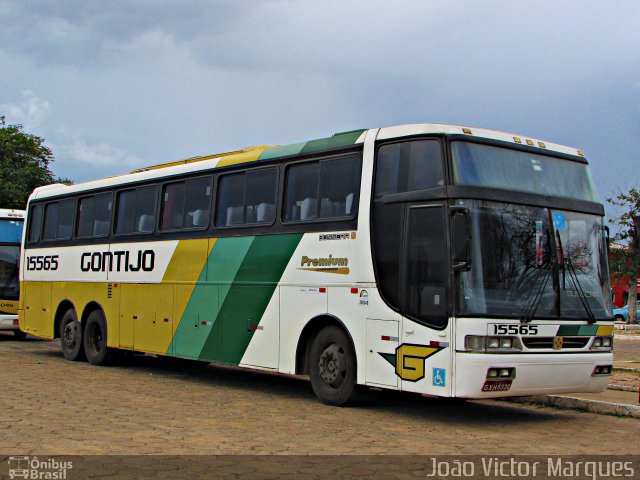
(496, 385)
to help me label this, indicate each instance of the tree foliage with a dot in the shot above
(24, 165)
(629, 224)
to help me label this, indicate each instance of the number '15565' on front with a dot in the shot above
(511, 329)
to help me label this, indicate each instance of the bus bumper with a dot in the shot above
(9, 322)
(533, 374)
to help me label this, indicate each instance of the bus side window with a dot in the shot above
(247, 198)
(58, 220)
(323, 189)
(186, 205)
(408, 166)
(136, 210)
(35, 218)
(339, 181)
(94, 216)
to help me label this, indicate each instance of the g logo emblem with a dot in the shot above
(410, 360)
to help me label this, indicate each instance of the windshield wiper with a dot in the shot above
(533, 302)
(573, 276)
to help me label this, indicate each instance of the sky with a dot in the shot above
(117, 85)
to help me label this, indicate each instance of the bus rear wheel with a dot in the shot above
(95, 339)
(332, 367)
(19, 334)
(71, 336)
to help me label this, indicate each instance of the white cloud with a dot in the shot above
(30, 112)
(99, 155)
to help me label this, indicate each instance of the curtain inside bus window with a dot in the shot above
(173, 206)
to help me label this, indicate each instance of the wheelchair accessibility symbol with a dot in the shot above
(439, 377)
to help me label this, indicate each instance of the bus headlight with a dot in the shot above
(602, 343)
(474, 343)
(477, 343)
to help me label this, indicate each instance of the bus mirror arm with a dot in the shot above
(461, 238)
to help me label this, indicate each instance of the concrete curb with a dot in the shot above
(622, 388)
(569, 403)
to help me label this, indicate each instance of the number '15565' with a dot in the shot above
(42, 262)
(515, 329)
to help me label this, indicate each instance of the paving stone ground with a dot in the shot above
(50, 406)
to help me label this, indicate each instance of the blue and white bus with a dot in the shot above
(11, 223)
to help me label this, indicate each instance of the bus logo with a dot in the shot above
(409, 360)
(557, 343)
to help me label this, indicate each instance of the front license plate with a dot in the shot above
(496, 385)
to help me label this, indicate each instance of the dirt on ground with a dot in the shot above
(146, 406)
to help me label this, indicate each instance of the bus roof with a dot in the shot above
(11, 214)
(268, 152)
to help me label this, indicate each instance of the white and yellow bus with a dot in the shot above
(438, 259)
(11, 225)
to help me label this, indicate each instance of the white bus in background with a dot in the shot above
(437, 259)
(11, 225)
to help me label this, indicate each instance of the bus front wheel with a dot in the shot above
(71, 336)
(332, 367)
(95, 339)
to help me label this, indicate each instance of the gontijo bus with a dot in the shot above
(11, 225)
(437, 259)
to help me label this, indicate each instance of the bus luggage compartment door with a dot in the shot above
(382, 341)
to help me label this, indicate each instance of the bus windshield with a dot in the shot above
(10, 238)
(532, 261)
(477, 164)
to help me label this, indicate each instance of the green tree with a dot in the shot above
(629, 224)
(24, 165)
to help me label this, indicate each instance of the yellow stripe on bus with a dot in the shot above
(249, 156)
(605, 331)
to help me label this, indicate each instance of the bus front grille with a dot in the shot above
(534, 343)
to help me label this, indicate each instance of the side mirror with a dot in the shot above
(461, 238)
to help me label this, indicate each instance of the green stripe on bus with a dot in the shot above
(577, 330)
(282, 151)
(248, 297)
(336, 141)
(213, 284)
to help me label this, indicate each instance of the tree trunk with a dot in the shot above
(634, 250)
(633, 298)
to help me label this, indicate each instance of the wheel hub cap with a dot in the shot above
(332, 365)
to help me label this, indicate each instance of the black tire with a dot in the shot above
(332, 367)
(618, 318)
(95, 339)
(19, 334)
(71, 336)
